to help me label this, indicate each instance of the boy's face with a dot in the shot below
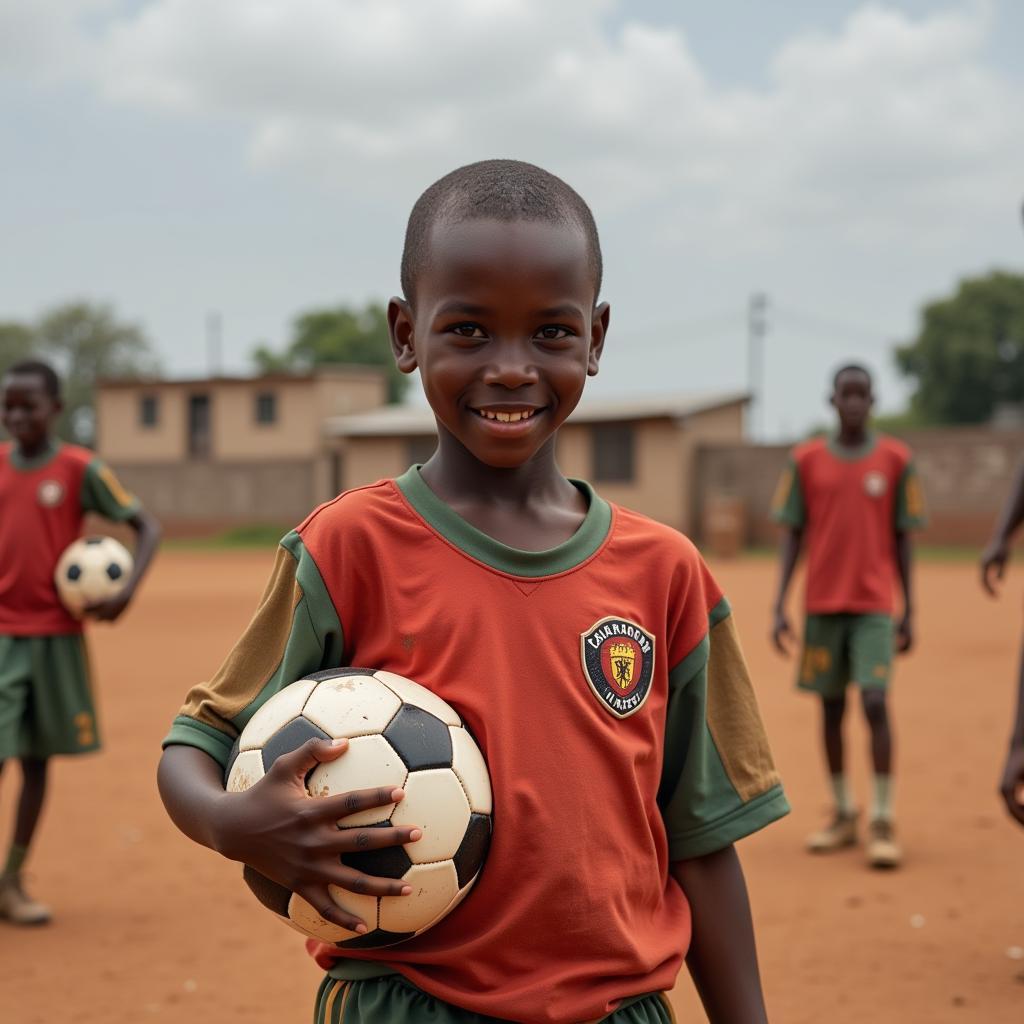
(852, 399)
(504, 332)
(28, 411)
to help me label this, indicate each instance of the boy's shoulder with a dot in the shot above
(367, 508)
(635, 528)
(75, 454)
(805, 450)
(894, 448)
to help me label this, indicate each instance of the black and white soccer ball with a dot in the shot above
(400, 734)
(91, 569)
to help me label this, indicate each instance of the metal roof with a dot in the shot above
(398, 420)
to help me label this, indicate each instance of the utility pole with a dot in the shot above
(757, 328)
(214, 332)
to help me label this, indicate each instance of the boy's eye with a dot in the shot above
(468, 331)
(554, 332)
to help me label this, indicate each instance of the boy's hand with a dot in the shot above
(782, 633)
(904, 635)
(277, 828)
(993, 565)
(110, 609)
(1012, 786)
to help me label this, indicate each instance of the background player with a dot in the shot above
(490, 578)
(853, 496)
(46, 706)
(993, 566)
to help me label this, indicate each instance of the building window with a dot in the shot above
(199, 440)
(266, 407)
(419, 449)
(149, 410)
(613, 452)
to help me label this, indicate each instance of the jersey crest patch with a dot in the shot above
(875, 484)
(618, 661)
(50, 493)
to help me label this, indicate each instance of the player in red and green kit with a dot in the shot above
(588, 648)
(46, 705)
(851, 499)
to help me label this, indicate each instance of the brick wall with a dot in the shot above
(966, 473)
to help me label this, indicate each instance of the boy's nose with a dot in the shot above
(510, 371)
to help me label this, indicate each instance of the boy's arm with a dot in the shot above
(1011, 786)
(997, 553)
(904, 559)
(147, 539)
(911, 514)
(789, 510)
(723, 956)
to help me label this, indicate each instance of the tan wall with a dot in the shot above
(237, 436)
(368, 459)
(121, 438)
(965, 474)
(339, 396)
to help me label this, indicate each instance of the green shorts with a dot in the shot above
(846, 648)
(395, 1000)
(46, 703)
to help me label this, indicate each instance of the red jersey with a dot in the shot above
(851, 504)
(42, 503)
(604, 684)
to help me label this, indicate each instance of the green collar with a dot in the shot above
(37, 461)
(467, 538)
(853, 454)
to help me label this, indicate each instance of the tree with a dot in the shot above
(85, 342)
(968, 356)
(341, 335)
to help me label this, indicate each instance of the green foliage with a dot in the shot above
(85, 342)
(968, 356)
(340, 335)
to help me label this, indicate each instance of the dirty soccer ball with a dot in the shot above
(91, 569)
(400, 734)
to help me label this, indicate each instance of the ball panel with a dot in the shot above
(472, 851)
(246, 771)
(90, 541)
(376, 939)
(419, 696)
(114, 571)
(388, 862)
(351, 705)
(337, 673)
(291, 737)
(468, 764)
(434, 887)
(276, 712)
(273, 896)
(434, 801)
(307, 919)
(369, 762)
(422, 741)
(74, 572)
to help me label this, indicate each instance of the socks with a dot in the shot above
(881, 807)
(841, 794)
(15, 859)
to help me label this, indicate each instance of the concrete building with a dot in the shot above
(639, 453)
(212, 452)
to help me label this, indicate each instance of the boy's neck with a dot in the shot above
(852, 437)
(30, 452)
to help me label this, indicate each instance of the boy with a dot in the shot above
(46, 706)
(993, 564)
(855, 495)
(490, 578)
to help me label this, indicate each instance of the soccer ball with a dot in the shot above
(400, 734)
(91, 569)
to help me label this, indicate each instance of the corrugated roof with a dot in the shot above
(392, 420)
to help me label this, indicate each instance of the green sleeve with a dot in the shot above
(295, 631)
(911, 512)
(788, 504)
(718, 781)
(103, 494)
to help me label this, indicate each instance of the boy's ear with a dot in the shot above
(598, 332)
(400, 331)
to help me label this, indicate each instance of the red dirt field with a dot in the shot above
(150, 927)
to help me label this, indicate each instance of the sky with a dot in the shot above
(258, 158)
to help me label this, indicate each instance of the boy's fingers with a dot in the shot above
(302, 759)
(368, 885)
(320, 900)
(334, 808)
(355, 840)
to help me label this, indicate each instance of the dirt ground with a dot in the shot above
(150, 927)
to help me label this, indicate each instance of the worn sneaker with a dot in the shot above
(839, 834)
(883, 850)
(17, 906)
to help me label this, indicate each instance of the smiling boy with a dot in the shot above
(511, 591)
(46, 705)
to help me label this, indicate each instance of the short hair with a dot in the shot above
(51, 382)
(508, 190)
(852, 367)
